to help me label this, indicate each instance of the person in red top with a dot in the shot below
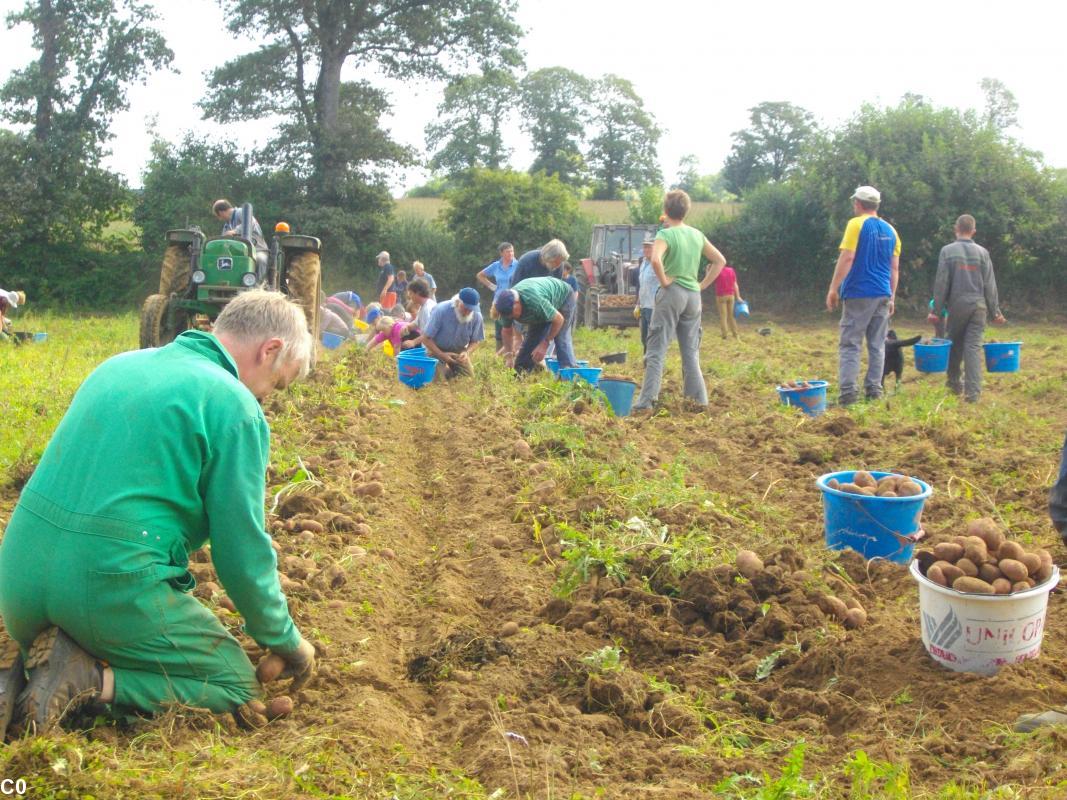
(726, 292)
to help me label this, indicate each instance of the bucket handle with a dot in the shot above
(903, 540)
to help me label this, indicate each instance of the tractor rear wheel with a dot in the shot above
(176, 271)
(156, 329)
(303, 279)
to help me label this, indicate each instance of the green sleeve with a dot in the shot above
(240, 547)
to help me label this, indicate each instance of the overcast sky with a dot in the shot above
(699, 65)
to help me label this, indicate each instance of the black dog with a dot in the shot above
(894, 358)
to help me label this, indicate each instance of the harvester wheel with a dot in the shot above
(303, 279)
(176, 271)
(155, 329)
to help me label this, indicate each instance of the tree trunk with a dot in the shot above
(329, 162)
(48, 25)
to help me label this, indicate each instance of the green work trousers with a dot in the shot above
(125, 602)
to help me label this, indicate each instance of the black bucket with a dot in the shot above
(613, 358)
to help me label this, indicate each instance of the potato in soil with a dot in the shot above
(748, 563)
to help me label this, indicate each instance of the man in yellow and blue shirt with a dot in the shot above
(865, 283)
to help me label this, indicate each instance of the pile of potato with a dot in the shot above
(985, 562)
(795, 385)
(887, 486)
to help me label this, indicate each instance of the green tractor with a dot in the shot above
(200, 276)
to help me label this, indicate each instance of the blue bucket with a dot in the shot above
(875, 527)
(1002, 356)
(42, 337)
(331, 341)
(587, 374)
(553, 365)
(415, 371)
(740, 309)
(620, 395)
(932, 357)
(812, 401)
(419, 352)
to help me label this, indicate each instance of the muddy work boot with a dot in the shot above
(1031, 722)
(63, 679)
(12, 679)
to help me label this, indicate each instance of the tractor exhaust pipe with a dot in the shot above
(246, 222)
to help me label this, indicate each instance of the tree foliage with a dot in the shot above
(469, 129)
(496, 205)
(700, 188)
(88, 53)
(770, 148)
(556, 109)
(623, 153)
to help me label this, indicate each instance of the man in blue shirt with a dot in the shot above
(497, 278)
(454, 330)
(647, 283)
(865, 283)
(232, 220)
(544, 263)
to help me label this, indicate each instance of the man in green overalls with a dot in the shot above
(160, 451)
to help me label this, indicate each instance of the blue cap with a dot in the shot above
(505, 303)
(469, 298)
(373, 314)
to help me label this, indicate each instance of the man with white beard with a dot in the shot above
(454, 330)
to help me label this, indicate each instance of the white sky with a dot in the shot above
(699, 65)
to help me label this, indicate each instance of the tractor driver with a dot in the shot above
(232, 220)
(161, 451)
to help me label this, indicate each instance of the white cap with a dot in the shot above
(867, 194)
(384, 254)
(11, 297)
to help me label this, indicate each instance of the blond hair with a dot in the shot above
(256, 315)
(384, 323)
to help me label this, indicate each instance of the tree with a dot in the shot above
(555, 104)
(330, 134)
(525, 209)
(700, 188)
(770, 148)
(469, 132)
(90, 51)
(1001, 107)
(623, 153)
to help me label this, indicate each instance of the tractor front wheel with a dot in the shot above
(157, 328)
(303, 284)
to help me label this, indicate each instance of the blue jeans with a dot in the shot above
(646, 320)
(536, 333)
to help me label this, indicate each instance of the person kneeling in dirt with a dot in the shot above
(8, 300)
(546, 306)
(161, 451)
(1057, 508)
(454, 330)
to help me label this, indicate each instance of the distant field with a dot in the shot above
(606, 211)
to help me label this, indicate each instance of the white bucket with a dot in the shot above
(982, 632)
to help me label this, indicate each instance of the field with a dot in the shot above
(518, 595)
(605, 211)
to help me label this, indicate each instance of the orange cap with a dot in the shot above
(281, 227)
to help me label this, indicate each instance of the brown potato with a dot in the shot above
(1020, 586)
(1013, 570)
(312, 525)
(1012, 550)
(976, 550)
(866, 490)
(835, 607)
(852, 603)
(855, 618)
(1032, 561)
(279, 707)
(1002, 586)
(970, 569)
(936, 575)
(834, 483)
(989, 572)
(748, 563)
(1044, 572)
(886, 490)
(864, 478)
(909, 488)
(972, 586)
(851, 488)
(987, 530)
(926, 559)
(948, 551)
(270, 668)
(225, 602)
(1046, 558)
(950, 571)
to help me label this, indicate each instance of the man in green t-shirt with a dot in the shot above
(676, 310)
(161, 451)
(546, 306)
